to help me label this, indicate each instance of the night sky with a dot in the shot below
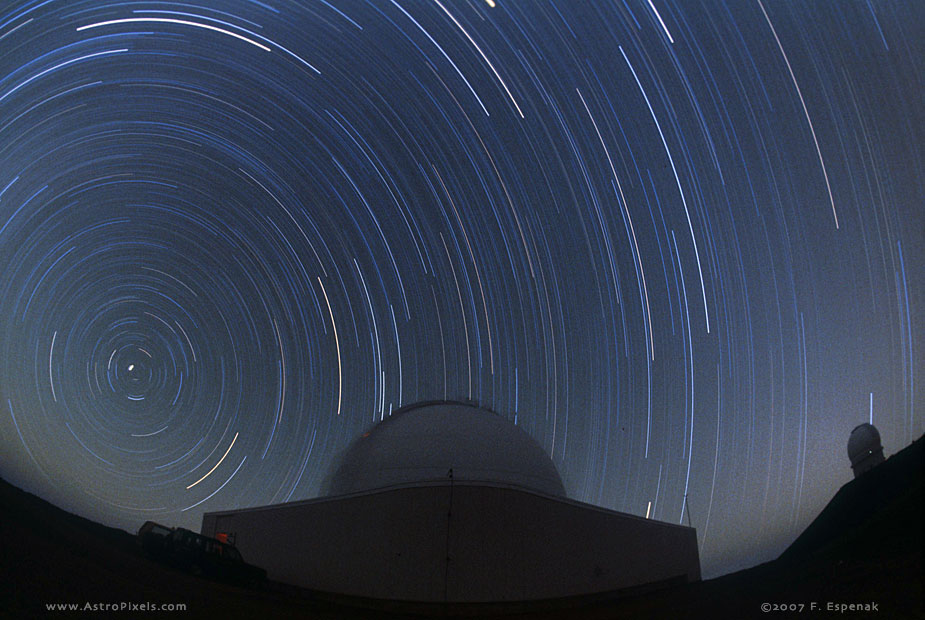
(680, 243)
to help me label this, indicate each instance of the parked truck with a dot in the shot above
(198, 554)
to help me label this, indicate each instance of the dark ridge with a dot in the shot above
(869, 511)
(864, 548)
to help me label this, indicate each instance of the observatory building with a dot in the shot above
(448, 502)
(864, 448)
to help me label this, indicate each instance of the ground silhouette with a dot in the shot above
(864, 548)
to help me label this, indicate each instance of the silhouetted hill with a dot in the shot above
(872, 513)
(49, 556)
(865, 547)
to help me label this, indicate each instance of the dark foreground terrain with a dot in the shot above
(865, 547)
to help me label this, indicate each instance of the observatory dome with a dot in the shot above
(864, 440)
(422, 442)
(864, 448)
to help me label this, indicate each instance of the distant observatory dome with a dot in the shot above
(864, 448)
(422, 442)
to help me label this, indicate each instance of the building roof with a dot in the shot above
(423, 442)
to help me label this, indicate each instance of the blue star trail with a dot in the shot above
(680, 243)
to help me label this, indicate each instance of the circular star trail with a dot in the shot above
(679, 243)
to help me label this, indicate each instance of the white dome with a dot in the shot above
(422, 442)
(864, 441)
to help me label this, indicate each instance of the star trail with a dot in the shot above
(681, 244)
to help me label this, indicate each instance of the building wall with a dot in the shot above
(503, 544)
